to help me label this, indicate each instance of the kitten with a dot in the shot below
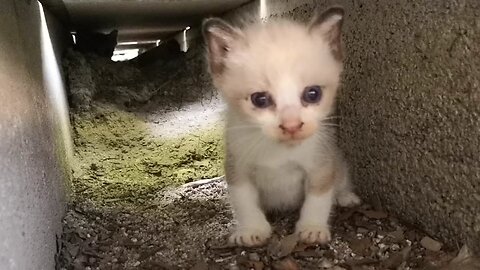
(280, 80)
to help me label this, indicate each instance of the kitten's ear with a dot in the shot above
(328, 24)
(219, 36)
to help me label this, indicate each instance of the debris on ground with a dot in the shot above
(187, 228)
(430, 244)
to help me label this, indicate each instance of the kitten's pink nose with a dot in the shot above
(291, 127)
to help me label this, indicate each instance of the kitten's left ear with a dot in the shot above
(328, 25)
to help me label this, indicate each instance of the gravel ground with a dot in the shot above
(187, 228)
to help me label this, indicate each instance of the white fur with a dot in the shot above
(347, 198)
(278, 169)
(280, 188)
(313, 223)
(252, 228)
(266, 167)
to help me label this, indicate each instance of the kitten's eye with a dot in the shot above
(312, 94)
(261, 99)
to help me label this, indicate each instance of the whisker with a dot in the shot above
(246, 155)
(241, 127)
(329, 125)
(332, 117)
(329, 121)
(325, 139)
(246, 125)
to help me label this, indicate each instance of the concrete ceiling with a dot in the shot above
(139, 19)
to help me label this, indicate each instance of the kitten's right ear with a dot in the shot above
(219, 36)
(328, 24)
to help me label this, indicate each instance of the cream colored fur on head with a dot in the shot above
(280, 57)
(280, 81)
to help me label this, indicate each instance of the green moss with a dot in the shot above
(118, 161)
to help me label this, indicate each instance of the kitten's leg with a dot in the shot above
(345, 197)
(312, 227)
(252, 228)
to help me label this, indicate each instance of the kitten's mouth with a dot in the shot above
(293, 142)
(293, 139)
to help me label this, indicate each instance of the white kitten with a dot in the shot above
(280, 81)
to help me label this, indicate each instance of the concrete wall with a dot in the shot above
(33, 138)
(410, 107)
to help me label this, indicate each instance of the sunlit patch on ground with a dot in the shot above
(119, 160)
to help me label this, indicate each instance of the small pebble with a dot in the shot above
(361, 230)
(253, 257)
(430, 244)
(233, 267)
(326, 264)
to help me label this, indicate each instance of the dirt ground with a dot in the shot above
(136, 203)
(186, 228)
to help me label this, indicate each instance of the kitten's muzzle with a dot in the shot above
(291, 127)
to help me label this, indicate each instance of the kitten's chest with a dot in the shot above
(280, 175)
(275, 157)
(281, 187)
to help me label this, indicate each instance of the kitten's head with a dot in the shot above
(282, 76)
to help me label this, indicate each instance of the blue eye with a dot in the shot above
(261, 99)
(312, 94)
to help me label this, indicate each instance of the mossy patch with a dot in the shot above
(119, 162)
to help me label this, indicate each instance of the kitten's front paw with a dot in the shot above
(314, 234)
(347, 199)
(251, 236)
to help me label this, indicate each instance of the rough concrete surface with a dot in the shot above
(410, 109)
(32, 150)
